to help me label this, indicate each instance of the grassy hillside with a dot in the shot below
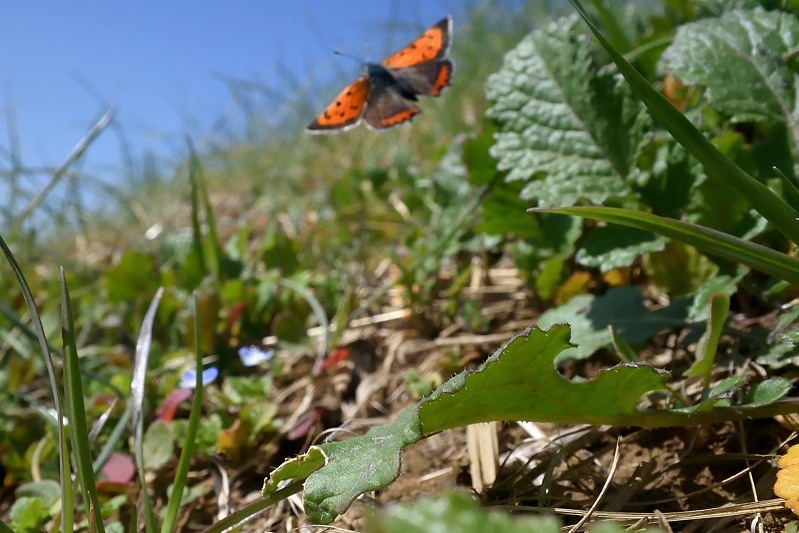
(344, 295)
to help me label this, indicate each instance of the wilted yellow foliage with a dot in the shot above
(787, 485)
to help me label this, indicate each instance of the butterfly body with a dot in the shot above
(386, 94)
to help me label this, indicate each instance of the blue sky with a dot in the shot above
(163, 65)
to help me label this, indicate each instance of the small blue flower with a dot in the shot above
(253, 355)
(188, 379)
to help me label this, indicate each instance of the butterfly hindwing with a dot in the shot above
(345, 111)
(433, 44)
(388, 108)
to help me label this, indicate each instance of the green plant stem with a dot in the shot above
(254, 508)
(182, 473)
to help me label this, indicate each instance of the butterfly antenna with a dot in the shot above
(342, 54)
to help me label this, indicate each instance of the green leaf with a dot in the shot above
(48, 490)
(358, 465)
(679, 269)
(566, 129)
(669, 184)
(723, 283)
(131, 278)
(719, 396)
(158, 445)
(240, 390)
(716, 164)
(520, 382)
(620, 307)
(738, 58)
(28, 514)
(768, 392)
(456, 513)
(295, 469)
(624, 351)
(706, 349)
(612, 247)
(708, 240)
(480, 166)
(783, 351)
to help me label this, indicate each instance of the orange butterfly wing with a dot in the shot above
(433, 44)
(345, 111)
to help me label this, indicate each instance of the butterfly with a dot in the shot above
(387, 92)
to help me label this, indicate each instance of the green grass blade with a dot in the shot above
(133, 527)
(79, 430)
(318, 311)
(625, 352)
(73, 156)
(212, 244)
(182, 472)
(114, 438)
(38, 328)
(708, 240)
(249, 511)
(789, 187)
(719, 167)
(196, 227)
(4, 528)
(707, 346)
(137, 405)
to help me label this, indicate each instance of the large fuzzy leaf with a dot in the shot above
(738, 57)
(567, 129)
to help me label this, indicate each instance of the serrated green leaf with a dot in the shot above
(565, 128)
(520, 382)
(358, 465)
(621, 307)
(294, 469)
(738, 58)
(612, 247)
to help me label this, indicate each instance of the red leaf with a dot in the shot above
(118, 469)
(171, 403)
